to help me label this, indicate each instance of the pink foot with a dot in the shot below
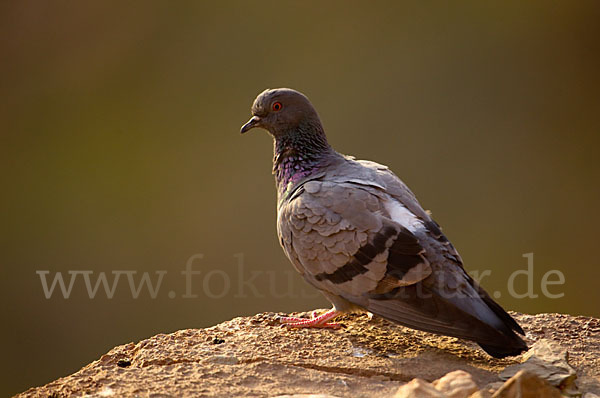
(321, 321)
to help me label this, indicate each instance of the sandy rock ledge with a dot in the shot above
(255, 357)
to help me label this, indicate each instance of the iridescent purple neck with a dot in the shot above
(294, 167)
(299, 154)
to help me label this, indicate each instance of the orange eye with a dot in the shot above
(277, 106)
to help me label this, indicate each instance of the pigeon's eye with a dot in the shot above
(277, 106)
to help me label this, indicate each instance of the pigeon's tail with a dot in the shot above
(515, 345)
(478, 319)
(506, 351)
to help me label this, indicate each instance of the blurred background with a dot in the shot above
(120, 150)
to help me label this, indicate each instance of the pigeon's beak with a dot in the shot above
(253, 122)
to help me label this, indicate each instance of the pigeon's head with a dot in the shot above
(281, 111)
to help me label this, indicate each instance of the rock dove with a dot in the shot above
(357, 233)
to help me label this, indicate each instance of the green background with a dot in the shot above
(120, 150)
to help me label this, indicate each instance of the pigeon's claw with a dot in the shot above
(321, 321)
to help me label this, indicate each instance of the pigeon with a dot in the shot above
(357, 233)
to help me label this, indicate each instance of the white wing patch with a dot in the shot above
(402, 215)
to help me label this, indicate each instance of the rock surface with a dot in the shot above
(418, 388)
(527, 384)
(254, 356)
(549, 361)
(457, 384)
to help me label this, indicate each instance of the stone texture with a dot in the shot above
(254, 356)
(305, 396)
(418, 388)
(457, 384)
(525, 384)
(485, 393)
(549, 361)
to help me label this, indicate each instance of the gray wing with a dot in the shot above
(339, 236)
(360, 234)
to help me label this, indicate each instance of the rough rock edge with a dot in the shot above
(254, 356)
